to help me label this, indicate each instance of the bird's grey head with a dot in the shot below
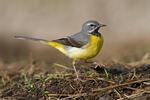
(91, 26)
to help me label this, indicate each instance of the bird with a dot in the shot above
(83, 45)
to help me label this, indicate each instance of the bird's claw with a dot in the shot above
(98, 64)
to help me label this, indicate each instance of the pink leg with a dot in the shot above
(73, 63)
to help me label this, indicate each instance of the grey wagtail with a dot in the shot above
(81, 46)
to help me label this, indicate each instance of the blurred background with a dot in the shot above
(127, 35)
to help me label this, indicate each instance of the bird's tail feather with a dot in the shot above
(29, 38)
(50, 43)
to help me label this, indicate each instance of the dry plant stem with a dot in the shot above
(138, 90)
(73, 63)
(110, 81)
(118, 85)
(62, 66)
(69, 95)
(120, 98)
(134, 95)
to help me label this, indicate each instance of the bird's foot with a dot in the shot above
(98, 64)
(77, 76)
(78, 79)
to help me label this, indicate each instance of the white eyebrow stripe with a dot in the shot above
(91, 23)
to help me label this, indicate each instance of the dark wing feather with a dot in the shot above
(68, 42)
(78, 40)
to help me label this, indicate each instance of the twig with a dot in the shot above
(109, 81)
(134, 95)
(147, 83)
(120, 98)
(145, 57)
(134, 75)
(141, 90)
(118, 85)
(62, 66)
(69, 95)
(58, 95)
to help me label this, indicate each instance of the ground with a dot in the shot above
(114, 81)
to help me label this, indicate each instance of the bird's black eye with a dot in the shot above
(92, 25)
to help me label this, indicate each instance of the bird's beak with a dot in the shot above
(102, 25)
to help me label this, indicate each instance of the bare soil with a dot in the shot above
(114, 81)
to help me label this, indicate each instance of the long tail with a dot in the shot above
(50, 43)
(29, 38)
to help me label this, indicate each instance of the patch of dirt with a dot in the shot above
(114, 81)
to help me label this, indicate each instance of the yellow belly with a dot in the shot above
(88, 51)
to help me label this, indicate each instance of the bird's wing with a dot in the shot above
(78, 40)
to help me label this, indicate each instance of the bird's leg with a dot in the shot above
(73, 63)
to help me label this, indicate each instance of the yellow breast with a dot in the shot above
(88, 51)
